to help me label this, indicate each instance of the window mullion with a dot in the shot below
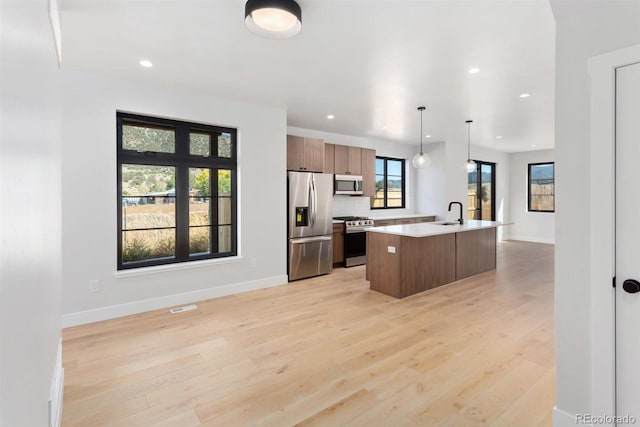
(182, 192)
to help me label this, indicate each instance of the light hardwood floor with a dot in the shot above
(329, 352)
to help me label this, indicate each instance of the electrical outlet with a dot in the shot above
(254, 262)
(94, 286)
(391, 249)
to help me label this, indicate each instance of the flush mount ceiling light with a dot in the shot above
(525, 95)
(421, 160)
(276, 19)
(146, 63)
(471, 165)
(474, 70)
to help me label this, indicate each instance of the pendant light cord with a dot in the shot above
(421, 109)
(469, 139)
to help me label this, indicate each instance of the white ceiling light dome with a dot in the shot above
(275, 19)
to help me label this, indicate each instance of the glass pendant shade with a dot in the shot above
(471, 165)
(421, 160)
(275, 19)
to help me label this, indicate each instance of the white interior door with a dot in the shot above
(628, 241)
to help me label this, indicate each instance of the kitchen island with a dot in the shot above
(403, 260)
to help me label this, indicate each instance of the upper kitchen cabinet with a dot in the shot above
(329, 150)
(347, 160)
(305, 154)
(368, 172)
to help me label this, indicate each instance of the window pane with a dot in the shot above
(148, 138)
(379, 166)
(199, 210)
(224, 182)
(378, 203)
(199, 182)
(224, 145)
(541, 187)
(148, 197)
(394, 184)
(486, 175)
(224, 238)
(148, 244)
(199, 240)
(394, 167)
(199, 144)
(224, 210)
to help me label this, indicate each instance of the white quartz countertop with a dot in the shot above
(425, 229)
(400, 216)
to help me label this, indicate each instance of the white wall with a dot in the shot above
(528, 226)
(89, 200)
(431, 184)
(29, 213)
(583, 29)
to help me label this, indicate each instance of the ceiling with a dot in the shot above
(370, 63)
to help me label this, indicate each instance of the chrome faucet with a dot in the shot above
(460, 220)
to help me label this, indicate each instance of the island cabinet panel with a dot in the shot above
(427, 263)
(475, 252)
(383, 267)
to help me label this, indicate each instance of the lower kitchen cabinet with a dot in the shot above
(384, 222)
(338, 245)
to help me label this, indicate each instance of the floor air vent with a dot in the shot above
(181, 309)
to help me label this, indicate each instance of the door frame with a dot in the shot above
(602, 70)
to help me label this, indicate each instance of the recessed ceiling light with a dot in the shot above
(473, 70)
(533, 145)
(330, 116)
(499, 137)
(427, 136)
(146, 63)
(525, 95)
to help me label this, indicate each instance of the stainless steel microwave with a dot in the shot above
(350, 185)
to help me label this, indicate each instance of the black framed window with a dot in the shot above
(177, 193)
(481, 191)
(389, 183)
(541, 187)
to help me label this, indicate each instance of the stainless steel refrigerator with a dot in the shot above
(310, 199)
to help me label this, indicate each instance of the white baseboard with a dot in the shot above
(57, 390)
(135, 307)
(564, 419)
(534, 239)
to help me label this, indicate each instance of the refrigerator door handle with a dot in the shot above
(315, 198)
(310, 239)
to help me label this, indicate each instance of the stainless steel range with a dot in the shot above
(355, 239)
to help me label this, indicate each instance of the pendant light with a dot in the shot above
(471, 165)
(275, 19)
(421, 160)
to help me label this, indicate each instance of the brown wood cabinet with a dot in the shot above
(405, 221)
(329, 150)
(338, 244)
(383, 222)
(305, 154)
(369, 172)
(425, 218)
(347, 160)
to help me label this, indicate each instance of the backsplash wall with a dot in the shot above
(350, 206)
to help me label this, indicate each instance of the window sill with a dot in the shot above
(142, 271)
